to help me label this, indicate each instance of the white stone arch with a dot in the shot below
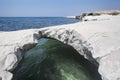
(64, 35)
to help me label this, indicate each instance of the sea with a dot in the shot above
(50, 59)
(20, 23)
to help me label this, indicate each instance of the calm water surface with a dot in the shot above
(20, 23)
(54, 60)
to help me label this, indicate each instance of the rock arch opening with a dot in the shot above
(54, 60)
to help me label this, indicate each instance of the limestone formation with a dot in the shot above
(97, 13)
(98, 41)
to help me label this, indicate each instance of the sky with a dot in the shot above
(41, 8)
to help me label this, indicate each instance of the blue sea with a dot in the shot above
(20, 23)
(50, 59)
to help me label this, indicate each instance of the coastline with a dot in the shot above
(72, 17)
(98, 39)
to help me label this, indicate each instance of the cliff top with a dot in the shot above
(97, 13)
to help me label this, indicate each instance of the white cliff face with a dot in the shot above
(98, 41)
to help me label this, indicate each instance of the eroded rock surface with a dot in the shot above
(98, 41)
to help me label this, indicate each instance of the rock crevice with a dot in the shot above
(98, 41)
(67, 36)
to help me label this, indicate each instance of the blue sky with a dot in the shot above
(54, 7)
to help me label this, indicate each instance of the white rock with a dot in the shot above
(98, 41)
(5, 75)
(110, 66)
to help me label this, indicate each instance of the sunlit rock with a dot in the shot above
(98, 41)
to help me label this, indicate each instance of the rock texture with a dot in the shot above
(98, 41)
(98, 13)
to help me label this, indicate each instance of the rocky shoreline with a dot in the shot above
(96, 39)
(98, 13)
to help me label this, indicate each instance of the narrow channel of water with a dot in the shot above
(53, 60)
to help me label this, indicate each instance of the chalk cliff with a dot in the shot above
(98, 41)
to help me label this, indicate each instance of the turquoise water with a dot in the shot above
(53, 60)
